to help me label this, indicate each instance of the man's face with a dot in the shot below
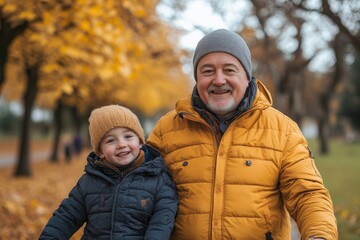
(221, 82)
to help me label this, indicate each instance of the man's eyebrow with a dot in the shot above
(225, 65)
(207, 65)
(231, 65)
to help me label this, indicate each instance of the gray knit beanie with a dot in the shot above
(223, 40)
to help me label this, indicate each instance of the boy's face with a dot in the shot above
(120, 146)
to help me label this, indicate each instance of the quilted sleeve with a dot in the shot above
(68, 218)
(303, 190)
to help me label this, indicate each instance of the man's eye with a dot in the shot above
(229, 70)
(207, 71)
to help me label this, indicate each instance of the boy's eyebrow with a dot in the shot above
(107, 136)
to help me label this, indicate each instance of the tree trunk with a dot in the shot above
(297, 106)
(3, 59)
(7, 35)
(58, 129)
(324, 99)
(23, 163)
(323, 127)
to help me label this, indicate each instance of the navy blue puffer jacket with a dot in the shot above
(142, 205)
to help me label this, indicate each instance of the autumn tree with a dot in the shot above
(96, 53)
(285, 67)
(344, 14)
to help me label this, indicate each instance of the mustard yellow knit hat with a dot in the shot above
(103, 119)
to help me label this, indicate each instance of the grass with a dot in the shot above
(341, 173)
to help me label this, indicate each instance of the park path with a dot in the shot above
(38, 150)
(9, 159)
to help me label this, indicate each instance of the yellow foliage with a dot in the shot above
(50, 67)
(98, 60)
(139, 12)
(113, 51)
(344, 214)
(9, 8)
(83, 2)
(10, 206)
(85, 25)
(33, 204)
(85, 69)
(83, 92)
(48, 22)
(27, 15)
(73, 52)
(95, 10)
(130, 5)
(67, 88)
(106, 73)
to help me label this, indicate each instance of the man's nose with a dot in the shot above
(219, 78)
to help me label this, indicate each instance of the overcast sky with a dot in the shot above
(200, 13)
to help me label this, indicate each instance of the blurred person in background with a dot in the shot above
(77, 143)
(241, 167)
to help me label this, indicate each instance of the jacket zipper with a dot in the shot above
(192, 118)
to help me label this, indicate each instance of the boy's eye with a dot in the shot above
(129, 136)
(110, 140)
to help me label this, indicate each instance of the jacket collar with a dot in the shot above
(150, 163)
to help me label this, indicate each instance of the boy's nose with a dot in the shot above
(120, 144)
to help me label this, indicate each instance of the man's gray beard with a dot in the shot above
(223, 110)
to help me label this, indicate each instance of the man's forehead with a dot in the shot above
(218, 58)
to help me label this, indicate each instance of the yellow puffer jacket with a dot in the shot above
(243, 187)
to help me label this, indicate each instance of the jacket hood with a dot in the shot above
(92, 168)
(263, 97)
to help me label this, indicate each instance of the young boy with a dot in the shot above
(126, 191)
